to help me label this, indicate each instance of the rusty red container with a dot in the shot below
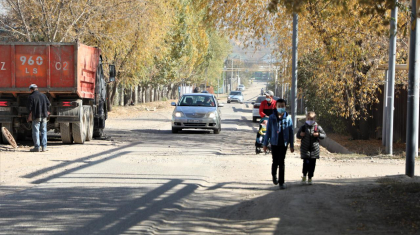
(56, 68)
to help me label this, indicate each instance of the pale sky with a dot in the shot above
(249, 53)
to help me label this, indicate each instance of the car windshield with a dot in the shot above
(241, 85)
(197, 100)
(235, 93)
(260, 99)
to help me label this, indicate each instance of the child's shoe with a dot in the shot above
(310, 181)
(303, 180)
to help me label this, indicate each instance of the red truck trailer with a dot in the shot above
(70, 74)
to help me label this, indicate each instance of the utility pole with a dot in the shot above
(391, 79)
(224, 81)
(413, 93)
(385, 109)
(294, 68)
(218, 85)
(231, 76)
(269, 69)
(275, 84)
(205, 85)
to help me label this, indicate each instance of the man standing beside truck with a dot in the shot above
(38, 105)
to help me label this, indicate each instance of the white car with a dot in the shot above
(197, 111)
(235, 96)
(241, 87)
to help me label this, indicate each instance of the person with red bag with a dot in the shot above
(310, 134)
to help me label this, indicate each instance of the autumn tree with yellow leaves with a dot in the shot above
(155, 44)
(341, 45)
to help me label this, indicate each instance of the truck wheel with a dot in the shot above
(79, 129)
(66, 136)
(89, 125)
(10, 129)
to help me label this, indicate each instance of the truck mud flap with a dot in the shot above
(6, 115)
(99, 123)
(68, 114)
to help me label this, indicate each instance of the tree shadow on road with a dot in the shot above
(178, 206)
(83, 159)
(89, 211)
(328, 207)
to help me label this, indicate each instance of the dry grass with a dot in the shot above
(136, 110)
(367, 147)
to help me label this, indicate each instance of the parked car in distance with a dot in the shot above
(241, 87)
(197, 111)
(256, 109)
(235, 96)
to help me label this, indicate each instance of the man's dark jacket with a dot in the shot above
(38, 104)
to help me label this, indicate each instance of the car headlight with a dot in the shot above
(178, 114)
(212, 115)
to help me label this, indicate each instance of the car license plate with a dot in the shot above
(193, 121)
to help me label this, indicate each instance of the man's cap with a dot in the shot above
(33, 86)
(270, 93)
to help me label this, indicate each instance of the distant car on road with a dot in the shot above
(256, 109)
(241, 87)
(235, 96)
(197, 111)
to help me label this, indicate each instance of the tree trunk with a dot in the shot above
(143, 94)
(122, 96)
(138, 88)
(156, 94)
(174, 92)
(128, 96)
(169, 91)
(108, 100)
(150, 94)
(114, 91)
(364, 126)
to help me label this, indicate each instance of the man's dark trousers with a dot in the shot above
(279, 153)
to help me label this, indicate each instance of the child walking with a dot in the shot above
(310, 134)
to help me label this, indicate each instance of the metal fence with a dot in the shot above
(400, 115)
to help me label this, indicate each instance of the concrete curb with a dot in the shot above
(334, 147)
(331, 145)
